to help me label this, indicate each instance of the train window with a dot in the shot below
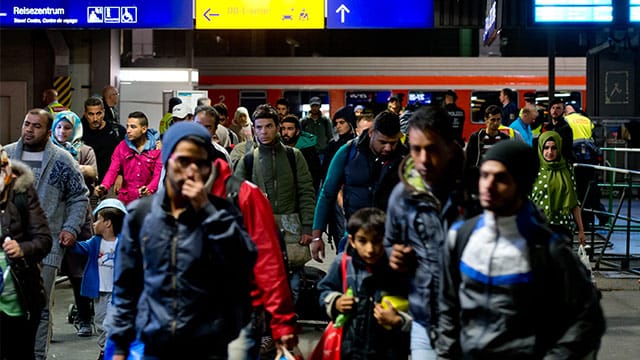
(373, 101)
(573, 97)
(299, 102)
(251, 99)
(480, 100)
(426, 97)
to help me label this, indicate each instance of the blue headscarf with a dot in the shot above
(75, 141)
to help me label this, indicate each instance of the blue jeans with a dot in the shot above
(420, 343)
(247, 345)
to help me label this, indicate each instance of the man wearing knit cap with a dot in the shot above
(182, 248)
(366, 170)
(511, 288)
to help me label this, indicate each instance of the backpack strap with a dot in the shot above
(343, 268)
(248, 165)
(462, 238)
(233, 190)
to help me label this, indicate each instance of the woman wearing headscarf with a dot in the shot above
(241, 124)
(67, 134)
(554, 191)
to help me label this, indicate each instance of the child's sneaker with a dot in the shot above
(84, 329)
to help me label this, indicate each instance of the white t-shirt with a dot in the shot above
(106, 263)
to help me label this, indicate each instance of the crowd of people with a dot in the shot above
(196, 235)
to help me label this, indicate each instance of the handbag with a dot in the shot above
(330, 343)
(291, 230)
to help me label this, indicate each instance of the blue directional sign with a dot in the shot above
(379, 14)
(97, 14)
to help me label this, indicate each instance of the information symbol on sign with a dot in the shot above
(94, 14)
(129, 14)
(111, 14)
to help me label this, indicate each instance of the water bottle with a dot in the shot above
(342, 318)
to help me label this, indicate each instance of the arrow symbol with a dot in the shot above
(207, 13)
(342, 9)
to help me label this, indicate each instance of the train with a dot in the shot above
(370, 81)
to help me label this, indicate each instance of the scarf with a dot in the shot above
(75, 140)
(554, 190)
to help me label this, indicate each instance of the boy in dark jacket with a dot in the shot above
(374, 328)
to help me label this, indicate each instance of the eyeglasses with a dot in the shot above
(185, 161)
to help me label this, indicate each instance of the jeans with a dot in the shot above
(43, 335)
(100, 313)
(420, 343)
(295, 281)
(247, 345)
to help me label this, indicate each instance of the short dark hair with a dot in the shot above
(432, 118)
(93, 101)
(387, 123)
(43, 114)
(283, 101)
(207, 110)
(556, 101)
(265, 111)
(492, 110)
(508, 92)
(291, 119)
(115, 216)
(142, 118)
(222, 109)
(369, 219)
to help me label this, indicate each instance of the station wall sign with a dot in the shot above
(97, 14)
(379, 14)
(572, 11)
(259, 14)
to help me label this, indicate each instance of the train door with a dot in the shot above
(250, 99)
(299, 102)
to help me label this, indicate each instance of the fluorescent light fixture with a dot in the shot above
(159, 75)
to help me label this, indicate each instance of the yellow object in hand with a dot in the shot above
(399, 303)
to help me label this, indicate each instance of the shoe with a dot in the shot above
(84, 329)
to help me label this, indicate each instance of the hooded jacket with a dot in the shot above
(364, 181)
(138, 168)
(516, 291)
(416, 217)
(32, 234)
(272, 173)
(179, 282)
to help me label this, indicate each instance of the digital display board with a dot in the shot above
(379, 14)
(572, 11)
(98, 14)
(259, 14)
(634, 10)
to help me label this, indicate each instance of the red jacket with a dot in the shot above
(272, 286)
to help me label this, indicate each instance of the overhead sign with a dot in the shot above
(634, 10)
(259, 14)
(572, 11)
(83, 14)
(379, 14)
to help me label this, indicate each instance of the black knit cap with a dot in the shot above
(520, 160)
(387, 123)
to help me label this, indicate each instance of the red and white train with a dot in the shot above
(370, 80)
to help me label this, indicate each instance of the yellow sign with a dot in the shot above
(259, 14)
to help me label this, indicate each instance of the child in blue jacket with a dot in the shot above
(97, 279)
(372, 330)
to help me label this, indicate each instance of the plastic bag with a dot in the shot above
(328, 347)
(584, 259)
(285, 354)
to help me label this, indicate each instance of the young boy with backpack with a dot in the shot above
(97, 280)
(374, 328)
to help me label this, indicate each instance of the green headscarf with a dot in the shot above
(554, 190)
